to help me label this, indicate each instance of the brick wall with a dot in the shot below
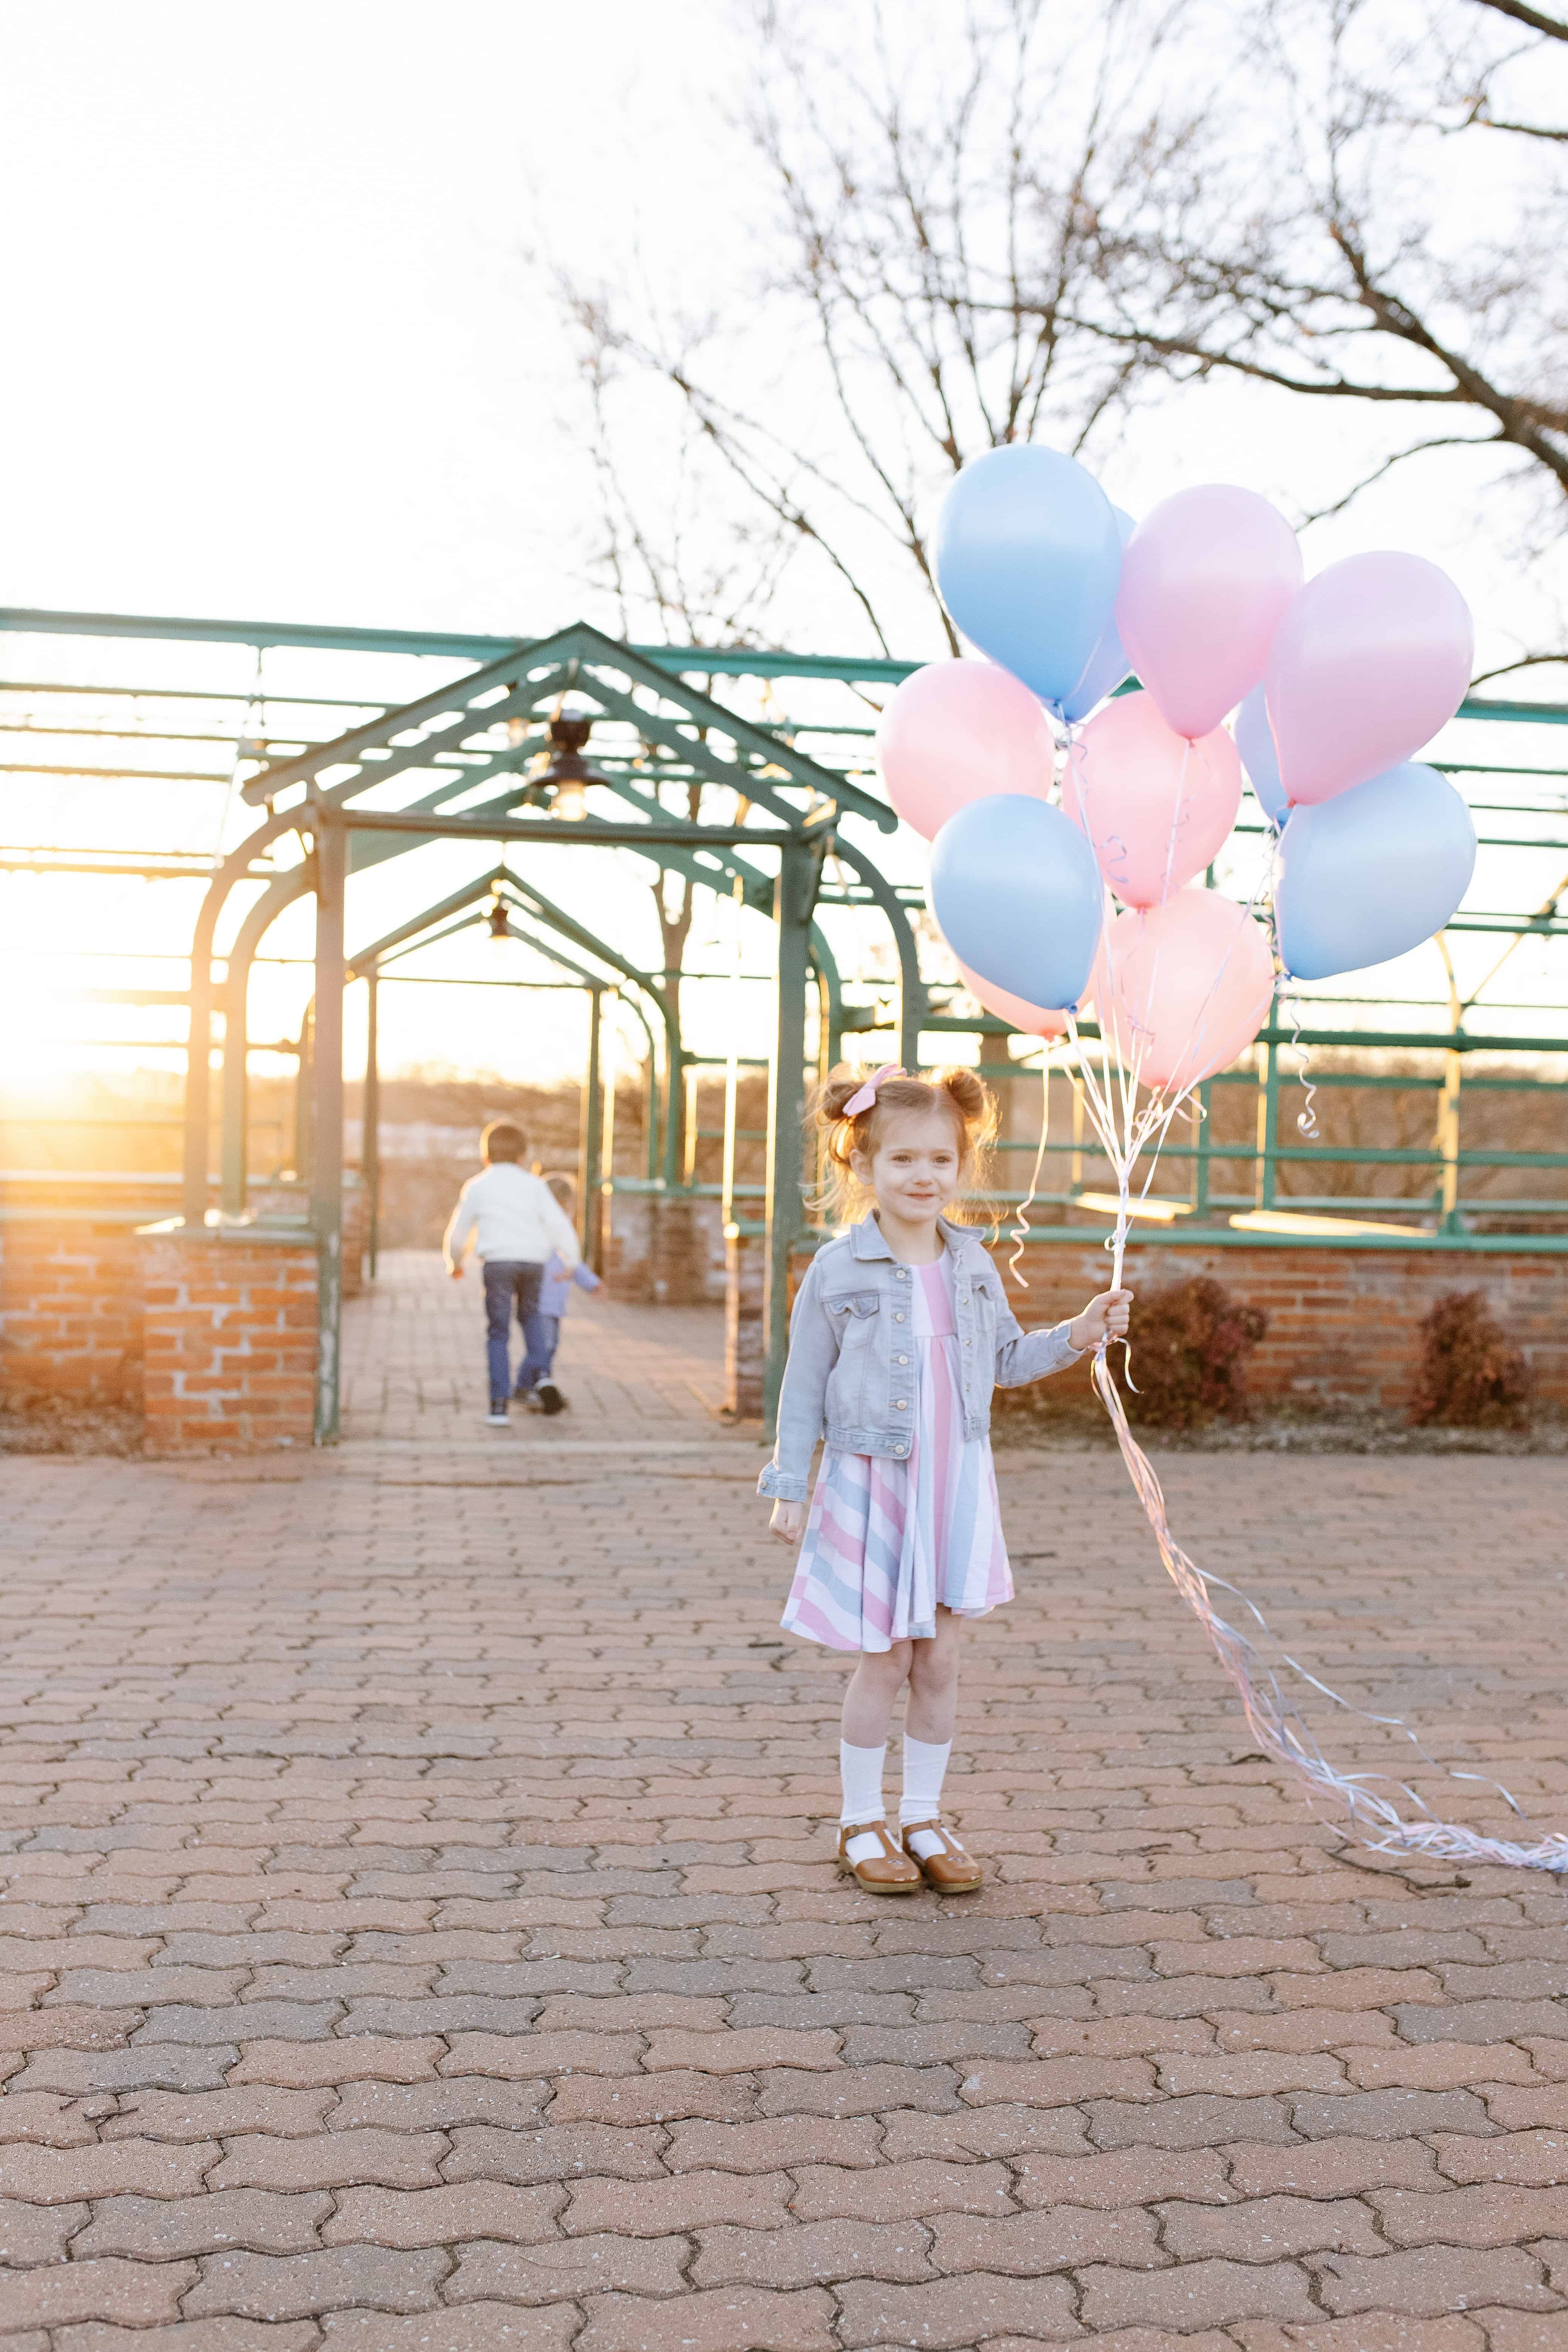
(664, 1250)
(70, 1309)
(1342, 1322)
(230, 1341)
(745, 1331)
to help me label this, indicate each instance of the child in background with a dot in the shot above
(899, 1332)
(541, 1330)
(517, 1224)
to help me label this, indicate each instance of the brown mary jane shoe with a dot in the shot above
(887, 1872)
(951, 1872)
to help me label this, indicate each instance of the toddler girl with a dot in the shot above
(899, 1332)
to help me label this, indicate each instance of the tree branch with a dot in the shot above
(1554, 27)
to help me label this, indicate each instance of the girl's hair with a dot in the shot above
(842, 1195)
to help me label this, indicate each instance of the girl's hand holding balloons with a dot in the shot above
(1104, 1318)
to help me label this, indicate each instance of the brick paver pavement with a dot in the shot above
(421, 1935)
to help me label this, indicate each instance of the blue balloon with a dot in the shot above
(1373, 873)
(1028, 560)
(1255, 741)
(1108, 663)
(1016, 888)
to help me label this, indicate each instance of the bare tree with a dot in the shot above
(1056, 220)
(919, 303)
(1341, 271)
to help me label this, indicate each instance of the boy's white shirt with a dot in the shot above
(513, 1215)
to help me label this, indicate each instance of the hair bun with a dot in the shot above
(969, 1092)
(837, 1092)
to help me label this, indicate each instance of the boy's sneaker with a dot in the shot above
(496, 1417)
(550, 1397)
(527, 1398)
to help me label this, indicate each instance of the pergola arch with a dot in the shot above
(488, 727)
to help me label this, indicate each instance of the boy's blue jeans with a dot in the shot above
(541, 1334)
(509, 1283)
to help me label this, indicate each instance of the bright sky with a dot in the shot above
(278, 350)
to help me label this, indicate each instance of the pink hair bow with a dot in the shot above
(868, 1094)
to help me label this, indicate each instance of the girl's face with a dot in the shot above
(916, 1166)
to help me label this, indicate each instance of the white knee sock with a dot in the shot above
(861, 1769)
(925, 1767)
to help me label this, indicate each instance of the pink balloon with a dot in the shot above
(1190, 984)
(1030, 1020)
(1156, 808)
(1372, 658)
(955, 731)
(1205, 578)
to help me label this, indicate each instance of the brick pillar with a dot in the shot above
(356, 1234)
(745, 1337)
(230, 1336)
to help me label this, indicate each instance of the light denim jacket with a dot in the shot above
(851, 1369)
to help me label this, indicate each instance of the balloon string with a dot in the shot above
(1279, 1730)
(1020, 1228)
(1307, 1119)
(1376, 1819)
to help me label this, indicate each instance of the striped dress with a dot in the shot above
(886, 1541)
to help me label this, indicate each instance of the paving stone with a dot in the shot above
(726, 2319)
(1388, 2114)
(388, 2159)
(566, 2268)
(692, 2201)
(1535, 2160)
(444, 2217)
(126, 2294)
(1195, 2295)
(986, 2133)
(1204, 2122)
(890, 2191)
(1132, 2176)
(441, 2105)
(1491, 2214)
(810, 2253)
(1341, 2167)
(633, 2099)
(151, 2229)
(357, 2058)
(1266, 2228)
(73, 2073)
(296, 2286)
(37, 2233)
(856, 2091)
(188, 2336)
(956, 2313)
(60, 2176)
(1027, 2245)
(783, 2140)
(1433, 2279)
(484, 2153)
(468, 2328)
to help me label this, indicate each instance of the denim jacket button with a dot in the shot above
(902, 1404)
(900, 1447)
(903, 1274)
(898, 1318)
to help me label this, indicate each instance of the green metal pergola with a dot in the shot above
(342, 782)
(471, 750)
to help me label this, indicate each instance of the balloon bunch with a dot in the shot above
(1070, 824)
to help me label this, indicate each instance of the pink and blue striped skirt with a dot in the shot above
(888, 1542)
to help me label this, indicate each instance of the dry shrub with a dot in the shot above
(1190, 1345)
(1470, 1377)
